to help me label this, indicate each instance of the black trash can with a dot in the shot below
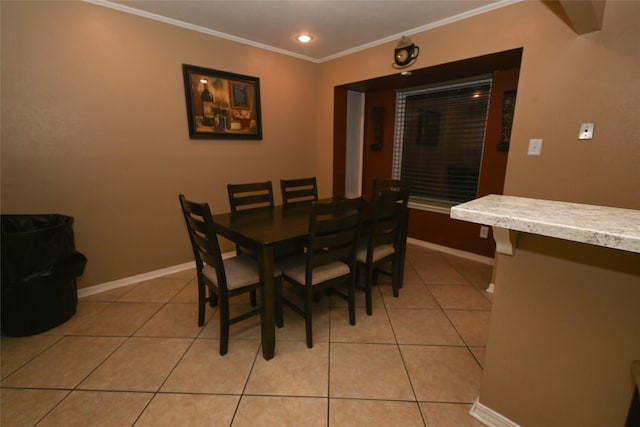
(39, 269)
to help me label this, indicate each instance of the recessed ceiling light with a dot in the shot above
(304, 38)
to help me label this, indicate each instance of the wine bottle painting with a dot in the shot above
(208, 115)
(222, 105)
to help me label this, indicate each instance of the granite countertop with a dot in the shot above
(596, 225)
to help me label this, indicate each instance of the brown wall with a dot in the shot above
(567, 79)
(494, 160)
(563, 333)
(94, 126)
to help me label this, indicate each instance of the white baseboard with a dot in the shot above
(90, 290)
(451, 251)
(489, 417)
(84, 292)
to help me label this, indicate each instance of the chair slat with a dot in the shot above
(300, 190)
(243, 197)
(250, 195)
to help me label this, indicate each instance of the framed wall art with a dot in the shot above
(221, 105)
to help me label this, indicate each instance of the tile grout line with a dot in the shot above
(246, 383)
(404, 363)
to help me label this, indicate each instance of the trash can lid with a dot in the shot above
(24, 223)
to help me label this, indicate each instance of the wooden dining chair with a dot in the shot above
(399, 186)
(250, 195)
(220, 279)
(329, 261)
(401, 189)
(384, 242)
(301, 190)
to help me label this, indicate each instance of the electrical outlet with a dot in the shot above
(484, 231)
(586, 131)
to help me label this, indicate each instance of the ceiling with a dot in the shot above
(339, 27)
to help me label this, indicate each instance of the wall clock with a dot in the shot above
(405, 53)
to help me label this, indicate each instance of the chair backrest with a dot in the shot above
(399, 187)
(250, 196)
(302, 190)
(334, 228)
(388, 220)
(203, 237)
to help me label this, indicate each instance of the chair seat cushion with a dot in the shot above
(379, 252)
(295, 268)
(241, 271)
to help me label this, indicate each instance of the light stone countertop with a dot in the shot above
(596, 225)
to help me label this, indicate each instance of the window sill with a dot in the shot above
(430, 207)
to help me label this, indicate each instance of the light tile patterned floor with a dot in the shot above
(135, 356)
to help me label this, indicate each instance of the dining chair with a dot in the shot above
(250, 195)
(384, 241)
(301, 190)
(223, 279)
(329, 261)
(243, 197)
(399, 186)
(401, 189)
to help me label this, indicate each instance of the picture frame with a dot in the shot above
(508, 108)
(222, 105)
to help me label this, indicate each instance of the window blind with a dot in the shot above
(439, 139)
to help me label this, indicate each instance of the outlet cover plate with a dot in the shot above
(586, 131)
(535, 147)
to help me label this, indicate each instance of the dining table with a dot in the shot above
(272, 232)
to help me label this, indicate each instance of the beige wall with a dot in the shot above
(565, 79)
(94, 122)
(563, 334)
(94, 126)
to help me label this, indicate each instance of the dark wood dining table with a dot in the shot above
(272, 232)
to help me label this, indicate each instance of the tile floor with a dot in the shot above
(135, 356)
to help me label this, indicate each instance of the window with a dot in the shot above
(439, 139)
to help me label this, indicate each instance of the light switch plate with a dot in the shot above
(586, 131)
(535, 147)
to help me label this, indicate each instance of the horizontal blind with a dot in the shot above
(439, 139)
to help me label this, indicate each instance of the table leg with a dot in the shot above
(267, 319)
